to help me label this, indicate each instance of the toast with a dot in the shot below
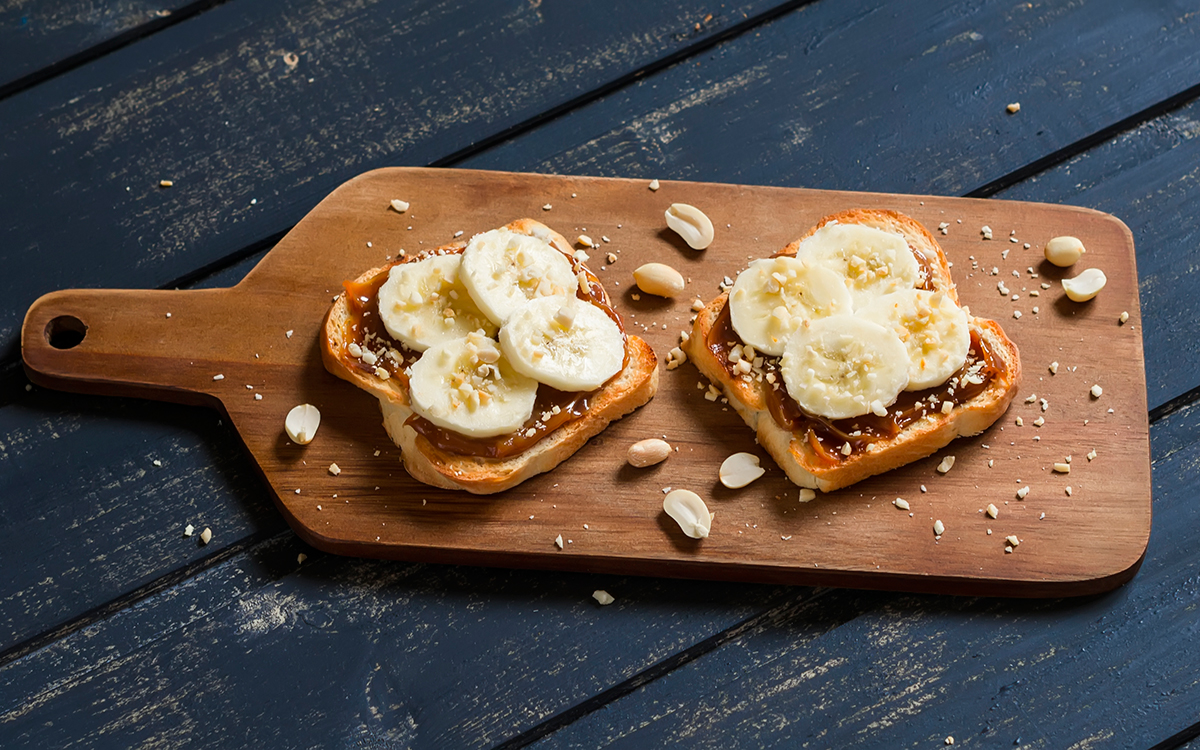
(801, 447)
(448, 464)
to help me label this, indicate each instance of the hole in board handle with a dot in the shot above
(65, 332)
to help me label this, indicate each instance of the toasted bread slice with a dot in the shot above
(635, 385)
(794, 452)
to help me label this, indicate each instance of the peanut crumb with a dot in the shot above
(206, 535)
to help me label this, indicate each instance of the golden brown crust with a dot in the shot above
(918, 440)
(632, 387)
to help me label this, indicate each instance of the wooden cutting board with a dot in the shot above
(260, 338)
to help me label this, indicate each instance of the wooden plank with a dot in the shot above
(256, 114)
(40, 37)
(229, 346)
(913, 671)
(358, 651)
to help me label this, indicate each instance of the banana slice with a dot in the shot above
(465, 385)
(843, 366)
(872, 261)
(564, 342)
(933, 328)
(774, 296)
(503, 270)
(425, 303)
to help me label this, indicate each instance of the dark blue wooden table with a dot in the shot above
(117, 631)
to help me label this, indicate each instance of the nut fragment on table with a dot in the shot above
(739, 470)
(946, 465)
(690, 512)
(691, 224)
(648, 452)
(1085, 286)
(301, 423)
(603, 597)
(206, 535)
(1064, 251)
(399, 206)
(658, 279)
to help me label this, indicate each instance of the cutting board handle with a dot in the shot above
(160, 344)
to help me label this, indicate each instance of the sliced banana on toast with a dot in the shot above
(934, 330)
(870, 261)
(425, 303)
(503, 270)
(828, 399)
(467, 386)
(564, 342)
(844, 366)
(775, 296)
(483, 333)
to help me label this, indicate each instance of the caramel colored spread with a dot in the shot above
(552, 409)
(825, 436)
(543, 421)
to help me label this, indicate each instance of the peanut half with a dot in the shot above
(1085, 286)
(739, 470)
(648, 452)
(691, 224)
(301, 423)
(659, 279)
(690, 512)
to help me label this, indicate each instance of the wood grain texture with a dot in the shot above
(358, 653)
(262, 337)
(990, 673)
(39, 34)
(252, 142)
